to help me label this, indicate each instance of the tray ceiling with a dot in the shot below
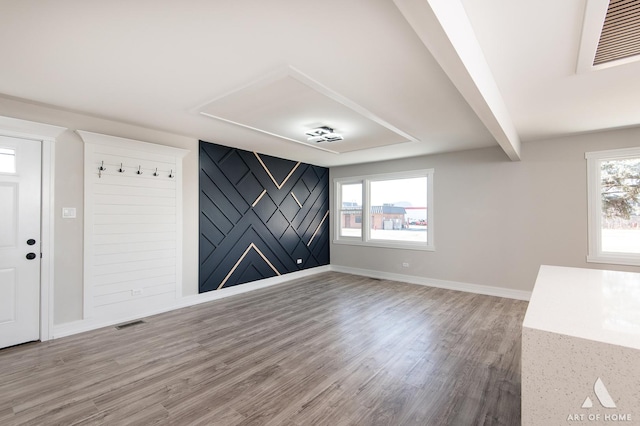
(287, 103)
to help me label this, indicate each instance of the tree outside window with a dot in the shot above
(614, 206)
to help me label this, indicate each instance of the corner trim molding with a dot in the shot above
(30, 129)
(432, 282)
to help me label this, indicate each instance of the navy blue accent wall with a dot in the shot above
(259, 215)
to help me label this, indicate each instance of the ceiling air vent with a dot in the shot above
(620, 36)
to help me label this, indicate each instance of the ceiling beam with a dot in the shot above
(444, 28)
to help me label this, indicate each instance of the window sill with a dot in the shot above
(386, 244)
(615, 259)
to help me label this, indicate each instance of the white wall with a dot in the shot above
(496, 221)
(69, 172)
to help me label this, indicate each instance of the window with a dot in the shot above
(351, 210)
(614, 206)
(390, 210)
(7, 160)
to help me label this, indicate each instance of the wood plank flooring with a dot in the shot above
(331, 349)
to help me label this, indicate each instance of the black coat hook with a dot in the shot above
(121, 170)
(139, 172)
(102, 168)
(156, 172)
(171, 174)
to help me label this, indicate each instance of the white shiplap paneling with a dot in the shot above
(133, 226)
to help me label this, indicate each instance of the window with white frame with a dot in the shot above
(350, 209)
(7, 160)
(614, 206)
(386, 210)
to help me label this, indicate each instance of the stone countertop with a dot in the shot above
(592, 304)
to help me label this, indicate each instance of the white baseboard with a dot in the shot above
(432, 282)
(75, 327)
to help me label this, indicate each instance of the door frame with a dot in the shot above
(47, 135)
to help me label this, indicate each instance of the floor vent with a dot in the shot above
(129, 324)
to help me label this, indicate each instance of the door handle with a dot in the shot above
(31, 256)
(31, 241)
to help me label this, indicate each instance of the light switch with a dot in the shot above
(69, 212)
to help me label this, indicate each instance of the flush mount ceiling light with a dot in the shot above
(323, 134)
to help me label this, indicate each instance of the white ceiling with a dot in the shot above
(504, 74)
(288, 104)
(532, 49)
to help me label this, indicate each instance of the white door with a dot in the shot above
(20, 169)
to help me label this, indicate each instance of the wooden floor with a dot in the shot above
(332, 349)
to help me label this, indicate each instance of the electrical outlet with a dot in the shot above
(299, 261)
(405, 264)
(136, 292)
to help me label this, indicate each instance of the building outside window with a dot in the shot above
(399, 206)
(350, 210)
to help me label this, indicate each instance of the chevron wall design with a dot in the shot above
(258, 215)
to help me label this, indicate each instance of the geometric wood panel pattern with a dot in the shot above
(259, 215)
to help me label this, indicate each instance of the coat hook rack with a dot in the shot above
(139, 172)
(102, 168)
(121, 170)
(156, 172)
(171, 174)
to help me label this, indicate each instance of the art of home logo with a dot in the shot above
(604, 399)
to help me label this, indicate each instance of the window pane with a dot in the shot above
(7, 160)
(620, 205)
(399, 210)
(351, 212)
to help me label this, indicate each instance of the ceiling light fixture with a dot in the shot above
(323, 134)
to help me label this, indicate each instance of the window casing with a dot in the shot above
(614, 206)
(387, 210)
